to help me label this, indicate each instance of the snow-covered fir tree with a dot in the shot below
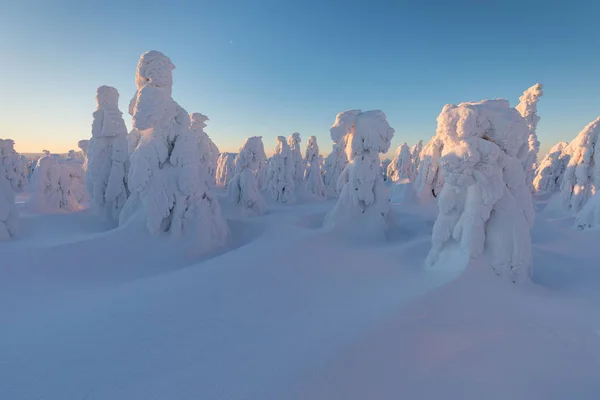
(401, 166)
(107, 157)
(209, 158)
(280, 173)
(550, 170)
(52, 188)
(167, 184)
(429, 179)
(527, 107)
(415, 156)
(294, 141)
(243, 187)
(485, 203)
(11, 179)
(384, 166)
(312, 175)
(337, 160)
(363, 205)
(73, 168)
(225, 168)
(83, 146)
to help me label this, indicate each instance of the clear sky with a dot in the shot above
(274, 67)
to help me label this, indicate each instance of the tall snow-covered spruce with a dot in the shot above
(210, 151)
(280, 173)
(485, 206)
(243, 187)
(527, 107)
(337, 160)
(363, 207)
(550, 170)
(11, 173)
(415, 156)
(167, 183)
(225, 168)
(401, 166)
(312, 174)
(430, 179)
(107, 157)
(52, 187)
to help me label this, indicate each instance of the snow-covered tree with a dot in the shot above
(581, 178)
(485, 203)
(209, 159)
(52, 187)
(11, 175)
(107, 157)
(167, 184)
(312, 175)
(225, 168)
(384, 166)
(294, 141)
(83, 146)
(527, 107)
(337, 160)
(243, 188)
(72, 168)
(429, 180)
(280, 173)
(550, 171)
(364, 199)
(415, 156)
(401, 166)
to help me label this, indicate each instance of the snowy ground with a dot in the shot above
(288, 311)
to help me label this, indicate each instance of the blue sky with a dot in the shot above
(274, 67)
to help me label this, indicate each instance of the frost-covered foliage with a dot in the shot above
(167, 184)
(55, 187)
(83, 146)
(581, 178)
(429, 180)
(243, 188)
(401, 166)
(107, 156)
(312, 175)
(415, 156)
(337, 160)
(550, 171)
(527, 107)
(225, 168)
(485, 203)
(11, 179)
(364, 200)
(210, 153)
(280, 173)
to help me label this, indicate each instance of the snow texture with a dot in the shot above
(55, 187)
(280, 173)
(527, 107)
(166, 179)
(550, 170)
(12, 175)
(243, 188)
(582, 174)
(363, 207)
(312, 174)
(225, 168)
(210, 153)
(400, 169)
(107, 157)
(485, 203)
(430, 179)
(337, 160)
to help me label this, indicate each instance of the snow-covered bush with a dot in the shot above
(364, 201)
(11, 179)
(401, 166)
(107, 156)
(415, 156)
(550, 171)
(225, 168)
(337, 160)
(312, 175)
(243, 187)
(209, 157)
(429, 180)
(52, 187)
(581, 178)
(527, 107)
(280, 173)
(485, 203)
(167, 184)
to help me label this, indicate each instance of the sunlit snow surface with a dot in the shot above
(290, 311)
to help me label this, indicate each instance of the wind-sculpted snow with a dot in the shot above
(485, 203)
(364, 200)
(337, 160)
(167, 182)
(280, 173)
(550, 171)
(225, 168)
(312, 175)
(84, 145)
(527, 107)
(210, 154)
(243, 188)
(401, 166)
(107, 162)
(12, 178)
